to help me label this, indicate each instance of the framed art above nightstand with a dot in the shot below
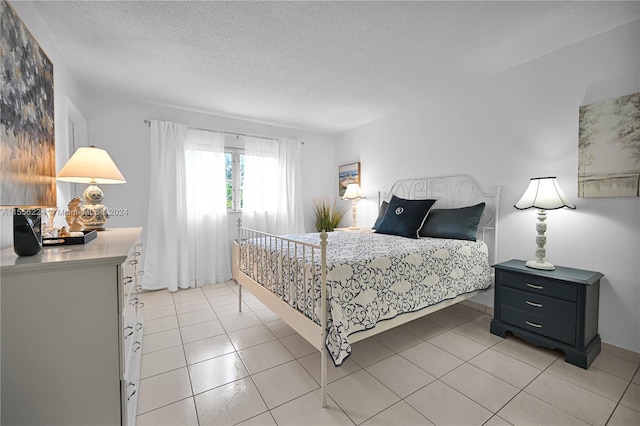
(556, 309)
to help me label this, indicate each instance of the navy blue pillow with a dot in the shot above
(383, 210)
(404, 217)
(458, 224)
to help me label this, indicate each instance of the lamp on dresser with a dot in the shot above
(543, 193)
(353, 193)
(93, 166)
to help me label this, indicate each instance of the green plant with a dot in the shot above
(329, 213)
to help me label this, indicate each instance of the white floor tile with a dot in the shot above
(263, 356)
(163, 389)
(190, 318)
(160, 324)
(283, 383)
(526, 409)
(297, 345)
(306, 410)
(311, 363)
(215, 372)
(240, 321)
(361, 396)
(211, 347)
(506, 368)
(264, 419)
(457, 344)
(205, 365)
(202, 330)
(181, 413)
(193, 305)
(162, 340)
(369, 351)
(624, 416)
(230, 404)
(578, 402)
(399, 414)
(400, 375)
(595, 380)
(432, 359)
(614, 365)
(162, 361)
(441, 404)
(535, 356)
(631, 398)
(251, 336)
(485, 389)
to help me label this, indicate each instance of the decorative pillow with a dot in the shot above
(458, 224)
(404, 217)
(383, 209)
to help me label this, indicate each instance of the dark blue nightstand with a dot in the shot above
(556, 309)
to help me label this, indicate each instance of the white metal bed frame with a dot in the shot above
(451, 192)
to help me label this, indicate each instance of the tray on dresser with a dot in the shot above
(64, 241)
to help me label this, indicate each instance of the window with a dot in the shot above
(234, 169)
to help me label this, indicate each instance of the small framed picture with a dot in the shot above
(349, 173)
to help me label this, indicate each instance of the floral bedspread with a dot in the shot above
(370, 277)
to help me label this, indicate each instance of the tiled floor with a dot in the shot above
(203, 363)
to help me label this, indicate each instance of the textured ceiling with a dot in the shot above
(320, 66)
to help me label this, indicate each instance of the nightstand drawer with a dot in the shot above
(538, 285)
(539, 305)
(540, 324)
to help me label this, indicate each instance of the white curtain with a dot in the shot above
(272, 186)
(187, 242)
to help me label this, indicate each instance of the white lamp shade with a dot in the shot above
(544, 193)
(91, 165)
(353, 192)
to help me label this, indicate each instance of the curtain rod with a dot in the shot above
(148, 123)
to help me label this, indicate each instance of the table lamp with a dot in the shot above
(543, 193)
(93, 166)
(353, 193)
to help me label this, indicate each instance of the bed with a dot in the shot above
(337, 288)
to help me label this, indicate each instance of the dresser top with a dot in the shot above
(110, 247)
(562, 273)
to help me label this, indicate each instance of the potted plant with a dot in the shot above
(329, 213)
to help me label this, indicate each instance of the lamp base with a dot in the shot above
(27, 235)
(540, 265)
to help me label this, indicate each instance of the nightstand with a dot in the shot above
(556, 309)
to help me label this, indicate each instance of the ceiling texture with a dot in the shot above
(324, 67)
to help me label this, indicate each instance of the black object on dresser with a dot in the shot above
(556, 309)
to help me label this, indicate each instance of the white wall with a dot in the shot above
(507, 128)
(118, 126)
(65, 88)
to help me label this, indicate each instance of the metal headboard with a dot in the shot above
(452, 192)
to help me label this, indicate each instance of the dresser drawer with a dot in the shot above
(537, 304)
(538, 285)
(540, 324)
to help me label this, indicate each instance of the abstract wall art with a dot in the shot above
(27, 137)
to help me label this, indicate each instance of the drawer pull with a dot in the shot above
(533, 324)
(139, 326)
(127, 280)
(137, 345)
(535, 305)
(132, 393)
(127, 334)
(537, 287)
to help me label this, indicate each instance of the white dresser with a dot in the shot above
(71, 337)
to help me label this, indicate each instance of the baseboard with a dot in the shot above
(607, 348)
(478, 307)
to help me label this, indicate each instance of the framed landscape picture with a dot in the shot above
(609, 148)
(349, 173)
(27, 137)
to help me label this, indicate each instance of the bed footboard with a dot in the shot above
(282, 274)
